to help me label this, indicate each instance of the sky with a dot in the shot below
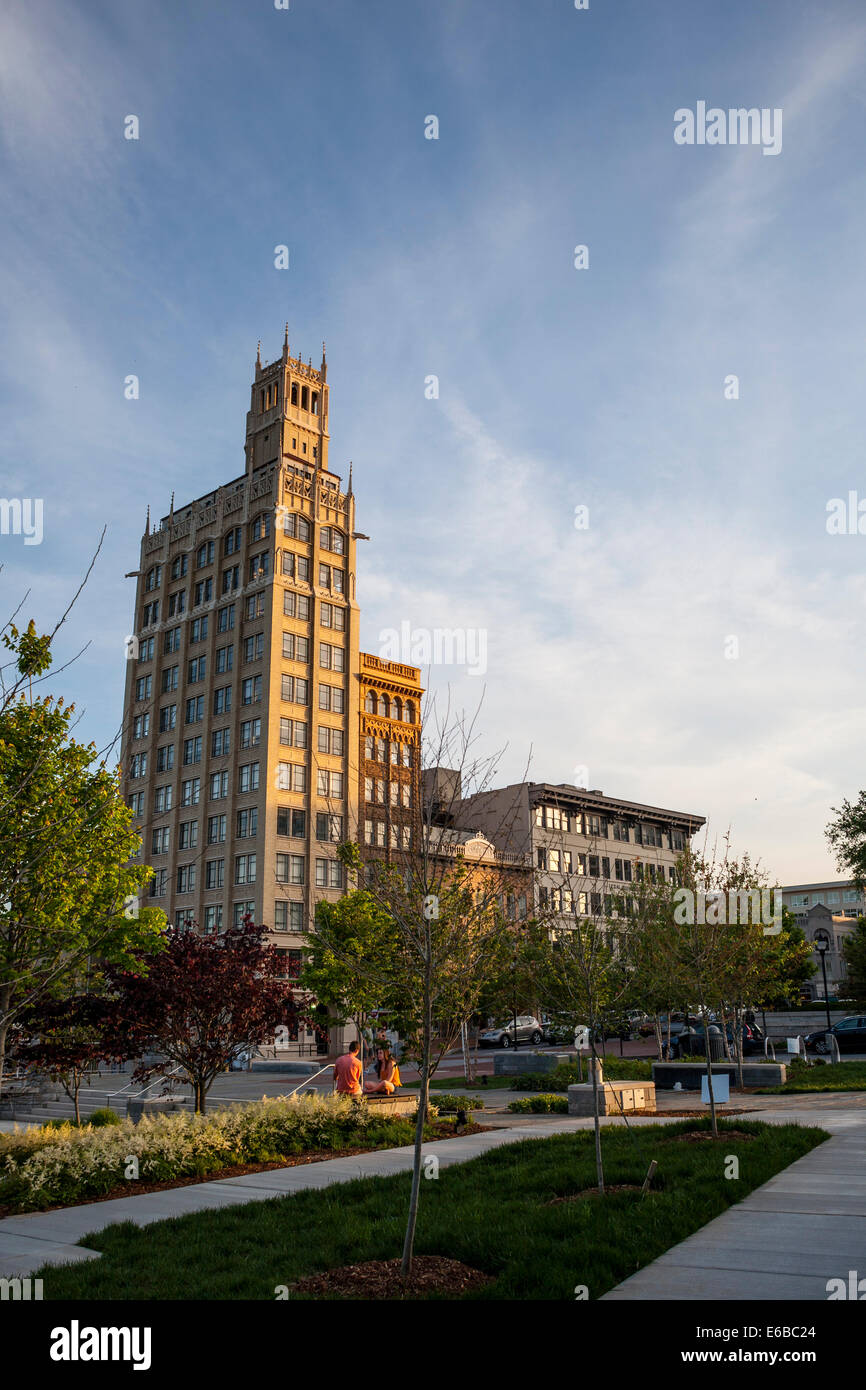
(692, 639)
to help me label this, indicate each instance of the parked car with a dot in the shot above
(692, 1043)
(503, 1035)
(557, 1034)
(850, 1034)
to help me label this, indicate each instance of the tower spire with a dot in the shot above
(259, 355)
(147, 523)
(286, 340)
(350, 477)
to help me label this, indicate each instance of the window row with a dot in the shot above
(394, 793)
(390, 709)
(381, 750)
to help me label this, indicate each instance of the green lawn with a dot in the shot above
(834, 1076)
(492, 1213)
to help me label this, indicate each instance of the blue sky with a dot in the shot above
(558, 388)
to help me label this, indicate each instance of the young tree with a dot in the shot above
(67, 875)
(450, 933)
(202, 999)
(347, 960)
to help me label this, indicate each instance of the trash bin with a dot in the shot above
(716, 1043)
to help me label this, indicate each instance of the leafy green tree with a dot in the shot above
(347, 961)
(69, 886)
(854, 955)
(847, 836)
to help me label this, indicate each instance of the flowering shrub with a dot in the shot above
(46, 1167)
(540, 1105)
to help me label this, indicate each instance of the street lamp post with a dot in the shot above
(821, 947)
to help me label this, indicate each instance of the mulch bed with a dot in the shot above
(381, 1279)
(609, 1190)
(135, 1187)
(696, 1136)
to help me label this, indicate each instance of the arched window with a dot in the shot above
(305, 398)
(294, 393)
(261, 402)
(383, 705)
(398, 708)
(314, 403)
(409, 713)
(370, 702)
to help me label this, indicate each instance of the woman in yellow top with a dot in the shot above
(387, 1073)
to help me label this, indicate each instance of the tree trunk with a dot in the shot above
(659, 1039)
(200, 1097)
(713, 1121)
(599, 1166)
(76, 1087)
(423, 1091)
(738, 1043)
(5, 1001)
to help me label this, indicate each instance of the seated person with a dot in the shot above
(348, 1073)
(386, 1072)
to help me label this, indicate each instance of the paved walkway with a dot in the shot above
(786, 1239)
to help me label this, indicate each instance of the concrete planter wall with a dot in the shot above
(689, 1074)
(513, 1063)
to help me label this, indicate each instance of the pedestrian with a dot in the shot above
(348, 1073)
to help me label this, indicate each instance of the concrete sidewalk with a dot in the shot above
(782, 1242)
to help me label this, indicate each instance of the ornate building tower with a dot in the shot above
(241, 719)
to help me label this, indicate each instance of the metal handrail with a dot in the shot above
(307, 1079)
(768, 1042)
(148, 1087)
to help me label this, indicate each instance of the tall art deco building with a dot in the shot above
(244, 756)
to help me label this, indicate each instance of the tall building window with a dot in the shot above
(248, 777)
(329, 873)
(245, 868)
(220, 743)
(291, 777)
(213, 918)
(295, 647)
(293, 732)
(296, 606)
(188, 836)
(291, 822)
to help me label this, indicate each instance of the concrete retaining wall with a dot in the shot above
(689, 1074)
(513, 1063)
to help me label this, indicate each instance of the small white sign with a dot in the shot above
(721, 1089)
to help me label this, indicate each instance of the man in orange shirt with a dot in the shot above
(348, 1073)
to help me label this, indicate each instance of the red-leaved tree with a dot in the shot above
(66, 1038)
(203, 999)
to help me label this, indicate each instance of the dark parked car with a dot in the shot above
(528, 1030)
(850, 1034)
(692, 1043)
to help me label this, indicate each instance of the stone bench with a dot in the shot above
(690, 1074)
(614, 1098)
(394, 1104)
